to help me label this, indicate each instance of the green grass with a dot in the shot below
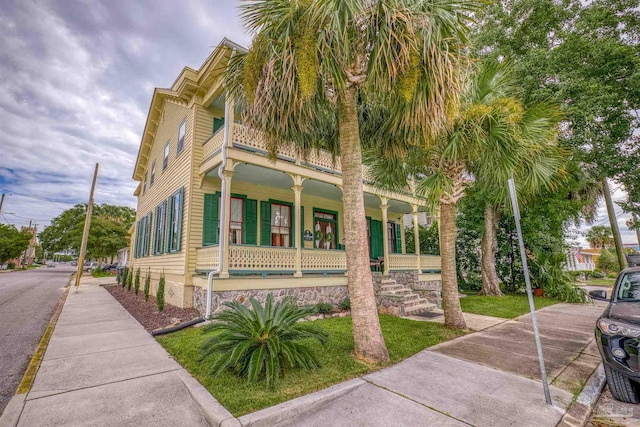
(403, 337)
(508, 306)
(601, 282)
(101, 274)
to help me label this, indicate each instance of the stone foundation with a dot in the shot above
(430, 289)
(333, 295)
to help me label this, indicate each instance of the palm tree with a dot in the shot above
(599, 237)
(483, 143)
(310, 66)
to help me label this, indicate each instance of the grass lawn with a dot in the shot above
(102, 274)
(403, 337)
(601, 282)
(508, 306)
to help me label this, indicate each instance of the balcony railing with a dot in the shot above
(319, 260)
(213, 144)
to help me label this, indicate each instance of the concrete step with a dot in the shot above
(388, 282)
(397, 292)
(391, 288)
(415, 302)
(419, 308)
(411, 297)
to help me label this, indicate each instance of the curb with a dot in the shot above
(579, 412)
(215, 414)
(276, 414)
(12, 412)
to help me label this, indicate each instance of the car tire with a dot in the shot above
(622, 388)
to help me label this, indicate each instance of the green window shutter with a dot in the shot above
(137, 239)
(168, 227)
(250, 229)
(210, 224)
(265, 224)
(292, 241)
(302, 226)
(217, 124)
(376, 239)
(180, 196)
(398, 245)
(163, 228)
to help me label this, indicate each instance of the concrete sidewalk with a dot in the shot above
(102, 368)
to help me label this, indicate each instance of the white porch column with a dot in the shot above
(416, 236)
(385, 235)
(224, 226)
(297, 191)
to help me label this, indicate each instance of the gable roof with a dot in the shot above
(204, 82)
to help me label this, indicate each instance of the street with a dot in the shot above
(27, 301)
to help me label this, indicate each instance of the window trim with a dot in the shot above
(171, 232)
(152, 176)
(144, 183)
(165, 155)
(180, 148)
(159, 228)
(335, 222)
(291, 221)
(242, 222)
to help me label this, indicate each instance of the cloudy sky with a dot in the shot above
(76, 79)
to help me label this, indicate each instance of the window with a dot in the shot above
(153, 173)
(174, 222)
(142, 236)
(394, 238)
(159, 228)
(218, 123)
(182, 131)
(629, 289)
(165, 156)
(280, 225)
(325, 229)
(236, 221)
(144, 184)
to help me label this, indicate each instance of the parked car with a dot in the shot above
(618, 336)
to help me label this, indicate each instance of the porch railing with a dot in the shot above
(213, 144)
(261, 258)
(318, 260)
(430, 262)
(403, 262)
(207, 258)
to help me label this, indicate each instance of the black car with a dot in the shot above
(618, 336)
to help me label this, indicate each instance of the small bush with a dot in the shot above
(346, 304)
(11, 265)
(259, 343)
(160, 293)
(323, 308)
(130, 279)
(147, 286)
(125, 276)
(612, 275)
(598, 275)
(136, 286)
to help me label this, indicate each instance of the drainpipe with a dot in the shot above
(223, 191)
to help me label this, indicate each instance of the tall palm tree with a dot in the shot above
(483, 142)
(599, 237)
(310, 66)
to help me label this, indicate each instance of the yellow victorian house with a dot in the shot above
(202, 174)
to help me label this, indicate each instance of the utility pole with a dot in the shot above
(85, 233)
(1, 202)
(614, 225)
(24, 258)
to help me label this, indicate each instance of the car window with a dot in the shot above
(629, 289)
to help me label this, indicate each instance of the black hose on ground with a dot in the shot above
(177, 327)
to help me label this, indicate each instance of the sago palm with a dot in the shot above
(313, 63)
(258, 343)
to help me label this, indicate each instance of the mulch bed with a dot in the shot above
(147, 312)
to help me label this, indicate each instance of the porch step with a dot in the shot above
(411, 303)
(415, 302)
(420, 308)
(395, 291)
(388, 282)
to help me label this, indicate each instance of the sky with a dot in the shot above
(76, 80)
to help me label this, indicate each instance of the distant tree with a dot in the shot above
(599, 237)
(429, 240)
(607, 261)
(12, 242)
(108, 232)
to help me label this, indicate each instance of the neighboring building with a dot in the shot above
(123, 257)
(424, 219)
(285, 226)
(29, 255)
(582, 259)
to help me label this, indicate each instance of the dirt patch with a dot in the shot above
(147, 312)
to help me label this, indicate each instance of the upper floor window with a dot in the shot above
(165, 156)
(236, 220)
(144, 184)
(182, 131)
(153, 173)
(280, 225)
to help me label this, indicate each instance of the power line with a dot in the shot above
(24, 217)
(45, 199)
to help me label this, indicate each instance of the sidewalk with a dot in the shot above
(102, 368)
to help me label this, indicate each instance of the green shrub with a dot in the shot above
(130, 279)
(323, 308)
(598, 275)
(160, 293)
(547, 273)
(612, 275)
(261, 342)
(346, 304)
(11, 265)
(136, 286)
(125, 276)
(147, 286)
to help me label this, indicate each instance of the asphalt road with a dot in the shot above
(27, 302)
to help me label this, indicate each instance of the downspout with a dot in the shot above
(223, 191)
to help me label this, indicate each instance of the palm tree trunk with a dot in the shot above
(450, 300)
(614, 225)
(367, 334)
(489, 246)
